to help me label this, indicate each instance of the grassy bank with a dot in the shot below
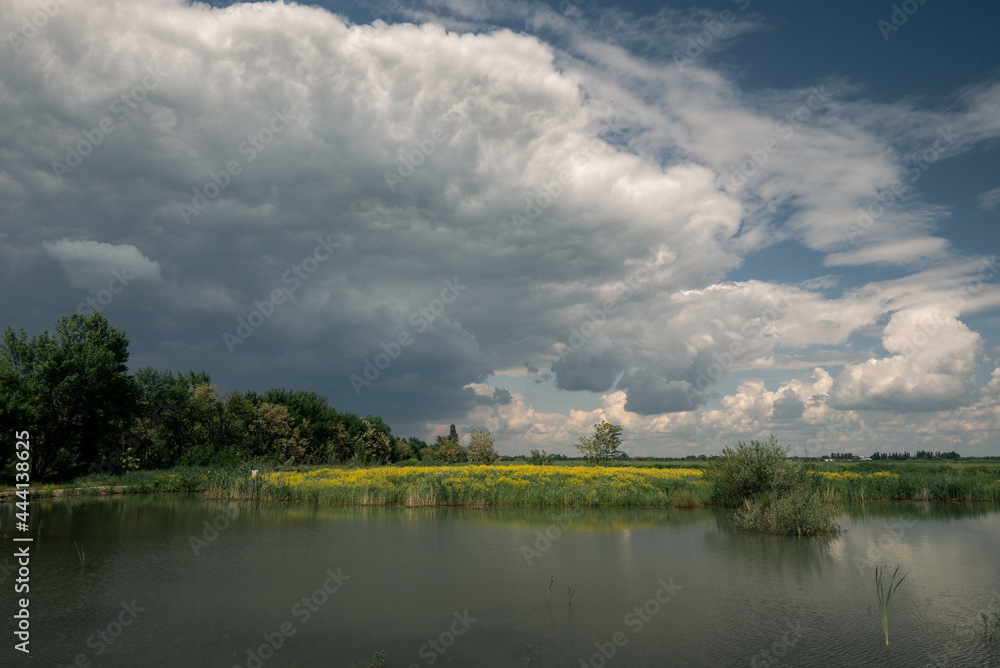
(525, 485)
(911, 482)
(479, 486)
(462, 485)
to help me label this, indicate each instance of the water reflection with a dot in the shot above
(762, 556)
(214, 577)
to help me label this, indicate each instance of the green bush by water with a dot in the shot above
(773, 495)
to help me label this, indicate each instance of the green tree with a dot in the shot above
(603, 445)
(160, 429)
(71, 390)
(449, 451)
(418, 447)
(374, 446)
(540, 458)
(481, 447)
(203, 433)
(337, 447)
(322, 429)
(280, 437)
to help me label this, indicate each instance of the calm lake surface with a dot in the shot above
(465, 587)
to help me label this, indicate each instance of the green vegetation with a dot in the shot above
(603, 445)
(753, 469)
(908, 481)
(540, 458)
(572, 482)
(86, 414)
(415, 486)
(109, 431)
(885, 597)
(771, 494)
(481, 447)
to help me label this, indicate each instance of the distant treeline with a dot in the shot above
(86, 413)
(897, 456)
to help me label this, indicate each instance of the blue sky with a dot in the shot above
(527, 216)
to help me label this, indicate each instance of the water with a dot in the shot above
(464, 587)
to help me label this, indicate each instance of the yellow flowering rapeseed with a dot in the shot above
(509, 485)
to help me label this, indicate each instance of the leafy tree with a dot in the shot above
(480, 450)
(323, 431)
(71, 390)
(203, 433)
(540, 458)
(418, 447)
(280, 437)
(338, 446)
(374, 446)
(603, 445)
(162, 427)
(402, 450)
(449, 450)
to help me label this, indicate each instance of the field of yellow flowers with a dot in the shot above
(526, 485)
(481, 486)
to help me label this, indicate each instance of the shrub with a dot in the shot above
(755, 468)
(773, 494)
(797, 513)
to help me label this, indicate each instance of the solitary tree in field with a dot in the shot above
(481, 447)
(603, 445)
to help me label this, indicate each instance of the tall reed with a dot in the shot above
(885, 597)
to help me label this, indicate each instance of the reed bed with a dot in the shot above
(481, 486)
(913, 483)
(524, 485)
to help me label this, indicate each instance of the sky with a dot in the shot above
(704, 222)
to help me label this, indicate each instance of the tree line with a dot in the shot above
(899, 456)
(87, 414)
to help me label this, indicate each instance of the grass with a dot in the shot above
(885, 597)
(481, 486)
(79, 553)
(798, 513)
(911, 481)
(565, 484)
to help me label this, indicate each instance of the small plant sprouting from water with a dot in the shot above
(379, 658)
(551, 580)
(79, 553)
(569, 595)
(528, 662)
(885, 597)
